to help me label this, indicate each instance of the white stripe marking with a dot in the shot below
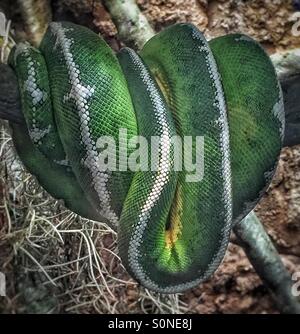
(162, 177)
(36, 94)
(81, 94)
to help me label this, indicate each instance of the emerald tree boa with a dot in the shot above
(78, 97)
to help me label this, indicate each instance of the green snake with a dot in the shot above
(172, 234)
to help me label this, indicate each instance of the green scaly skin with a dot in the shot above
(38, 144)
(255, 114)
(172, 233)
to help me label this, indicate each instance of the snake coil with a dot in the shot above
(172, 233)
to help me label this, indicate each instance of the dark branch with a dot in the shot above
(267, 263)
(10, 105)
(291, 89)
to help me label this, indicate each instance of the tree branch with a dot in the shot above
(291, 88)
(287, 63)
(287, 66)
(265, 259)
(36, 16)
(133, 27)
(10, 104)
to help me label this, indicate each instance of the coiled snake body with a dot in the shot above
(172, 233)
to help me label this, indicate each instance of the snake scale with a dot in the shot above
(172, 234)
